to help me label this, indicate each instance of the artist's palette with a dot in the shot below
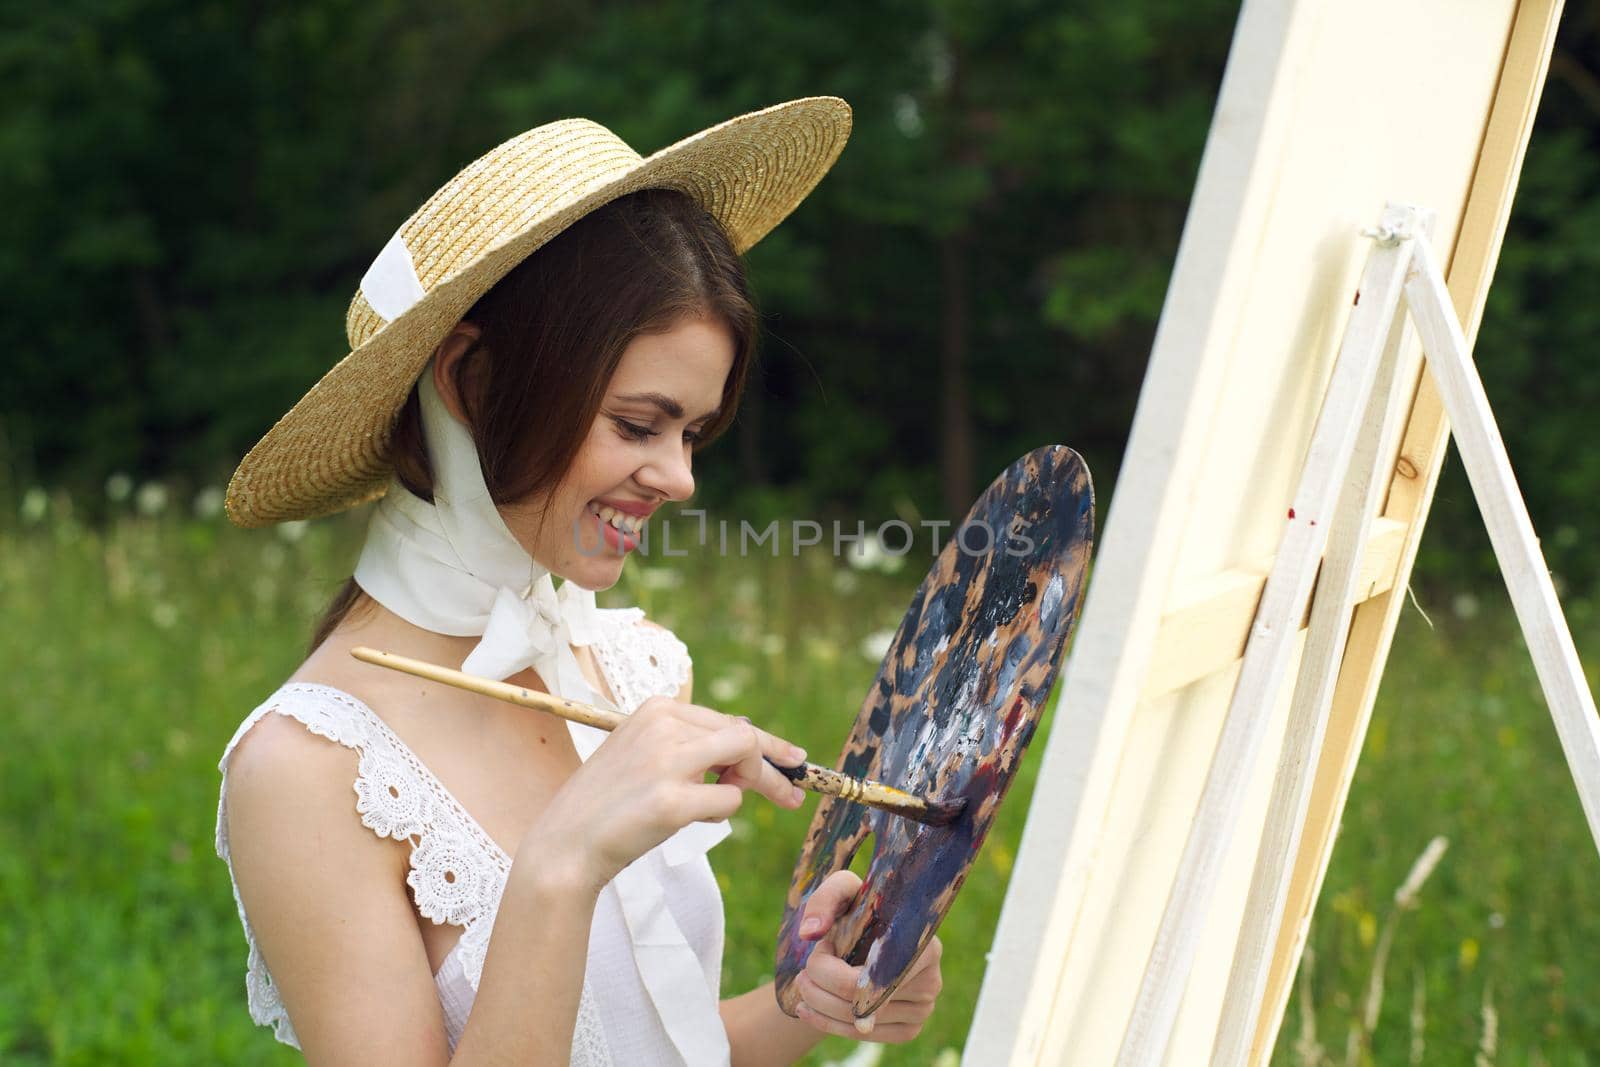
(952, 709)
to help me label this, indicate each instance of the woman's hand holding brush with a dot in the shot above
(647, 781)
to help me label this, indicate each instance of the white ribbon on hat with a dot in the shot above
(453, 567)
(391, 285)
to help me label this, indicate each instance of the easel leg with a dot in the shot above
(1332, 606)
(1533, 595)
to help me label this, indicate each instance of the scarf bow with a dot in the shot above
(533, 630)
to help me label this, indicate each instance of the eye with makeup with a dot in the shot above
(634, 432)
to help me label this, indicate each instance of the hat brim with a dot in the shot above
(328, 453)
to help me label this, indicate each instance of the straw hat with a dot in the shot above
(327, 453)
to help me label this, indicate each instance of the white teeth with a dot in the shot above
(627, 523)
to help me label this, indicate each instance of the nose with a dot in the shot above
(667, 471)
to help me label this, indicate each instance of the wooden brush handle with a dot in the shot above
(599, 718)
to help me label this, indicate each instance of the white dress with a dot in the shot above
(651, 985)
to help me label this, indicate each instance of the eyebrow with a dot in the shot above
(669, 407)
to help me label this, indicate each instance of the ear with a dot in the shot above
(457, 346)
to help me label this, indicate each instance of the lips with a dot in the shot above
(639, 508)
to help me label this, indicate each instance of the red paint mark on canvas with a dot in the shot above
(1291, 513)
(1357, 299)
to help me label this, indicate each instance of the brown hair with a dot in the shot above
(553, 332)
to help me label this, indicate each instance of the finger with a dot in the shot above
(830, 900)
(756, 770)
(831, 1005)
(829, 972)
(768, 781)
(709, 802)
(928, 957)
(772, 747)
(707, 718)
(842, 1009)
(737, 748)
(781, 751)
(884, 1032)
(922, 982)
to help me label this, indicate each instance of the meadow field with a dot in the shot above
(132, 647)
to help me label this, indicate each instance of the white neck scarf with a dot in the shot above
(453, 567)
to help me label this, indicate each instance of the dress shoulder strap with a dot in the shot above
(639, 661)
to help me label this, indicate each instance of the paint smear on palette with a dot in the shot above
(951, 712)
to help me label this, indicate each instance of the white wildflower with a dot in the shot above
(208, 502)
(151, 499)
(907, 115)
(35, 505)
(874, 554)
(725, 689)
(866, 554)
(876, 644)
(119, 487)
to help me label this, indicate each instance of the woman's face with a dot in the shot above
(667, 387)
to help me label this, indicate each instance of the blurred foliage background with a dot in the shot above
(196, 189)
(193, 191)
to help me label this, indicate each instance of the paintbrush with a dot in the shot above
(808, 776)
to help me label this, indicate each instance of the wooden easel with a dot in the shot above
(1327, 529)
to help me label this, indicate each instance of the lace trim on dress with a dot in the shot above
(639, 662)
(457, 871)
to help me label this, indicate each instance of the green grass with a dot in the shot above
(1461, 745)
(131, 653)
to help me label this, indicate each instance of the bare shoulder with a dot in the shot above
(326, 901)
(280, 762)
(290, 804)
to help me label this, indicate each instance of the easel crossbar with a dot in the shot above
(1208, 625)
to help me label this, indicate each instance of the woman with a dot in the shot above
(535, 356)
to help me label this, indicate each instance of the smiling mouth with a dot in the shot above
(617, 520)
